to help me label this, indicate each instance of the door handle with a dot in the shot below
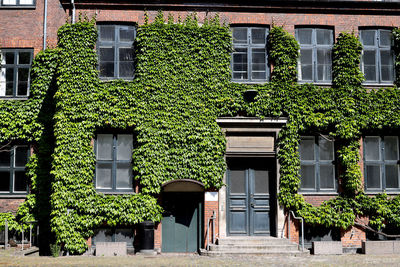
(252, 205)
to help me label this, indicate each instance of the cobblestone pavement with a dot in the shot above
(8, 259)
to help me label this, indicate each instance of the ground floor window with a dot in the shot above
(114, 235)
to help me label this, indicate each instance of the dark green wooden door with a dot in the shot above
(250, 194)
(181, 223)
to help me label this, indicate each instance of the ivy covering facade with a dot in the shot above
(182, 85)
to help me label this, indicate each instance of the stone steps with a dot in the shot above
(253, 246)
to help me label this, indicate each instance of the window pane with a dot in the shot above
(104, 147)
(305, 36)
(238, 181)
(9, 58)
(106, 54)
(9, 2)
(372, 148)
(240, 35)
(392, 176)
(24, 58)
(5, 157)
(324, 64)
(9, 81)
(107, 69)
(368, 37)
(26, 2)
(5, 181)
(373, 176)
(306, 65)
(385, 38)
(126, 69)
(386, 65)
(124, 235)
(307, 173)
(326, 175)
(103, 175)
(23, 76)
(261, 181)
(391, 148)
(107, 33)
(20, 181)
(324, 36)
(240, 67)
(124, 176)
(21, 156)
(325, 149)
(258, 64)
(126, 54)
(126, 34)
(307, 148)
(258, 36)
(124, 146)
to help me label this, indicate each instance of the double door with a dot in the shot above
(250, 196)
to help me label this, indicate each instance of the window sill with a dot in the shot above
(381, 192)
(13, 98)
(378, 85)
(116, 79)
(319, 193)
(247, 82)
(18, 7)
(327, 84)
(116, 192)
(12, 195)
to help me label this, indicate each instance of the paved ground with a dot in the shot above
(7, 258)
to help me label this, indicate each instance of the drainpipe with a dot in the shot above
(73, 11)
(45, 25)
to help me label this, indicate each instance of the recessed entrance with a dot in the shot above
(251, 196)
(182, 201)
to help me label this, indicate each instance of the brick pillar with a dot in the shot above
(210, 206)
(157, 236)
(353, 236)
(294, 229)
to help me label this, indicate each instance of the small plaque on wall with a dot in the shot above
(211, 196)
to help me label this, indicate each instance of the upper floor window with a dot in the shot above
(377, 57)
(15, 66)
(19, 3)
(315, 64)
(114, 162)
(381, 158)
(249, 59)
(12, 169)
(115, 50)
(317, 168)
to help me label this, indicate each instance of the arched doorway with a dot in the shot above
(182, 229)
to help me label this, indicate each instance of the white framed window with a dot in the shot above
(315, 62)
(13, 179)
(377, 61)
(249, 59)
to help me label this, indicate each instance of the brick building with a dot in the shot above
(29, 26)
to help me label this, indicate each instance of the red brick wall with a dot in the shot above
(10, 204)
(341, 22)
(316, 200)
(294, 229)
(353, 236)
(209, 207)
(157, 236)
(23, 28)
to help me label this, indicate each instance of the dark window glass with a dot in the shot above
(14, 72)
(13, 177)
(381, 157)
(315, 64)
(317, 169)
(249, 59)
(114, 157)
(238, 181)
(115, 50)
(378, 57)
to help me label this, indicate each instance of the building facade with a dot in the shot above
(246, 202)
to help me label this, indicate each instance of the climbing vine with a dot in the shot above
(182, 84)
